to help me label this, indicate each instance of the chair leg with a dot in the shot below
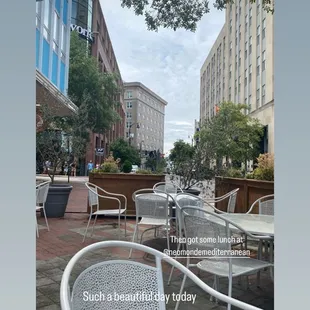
(92, 231)
(259, 254)
(182, 285)
(172, 268)
(119, 226)
(229, 290)
(37, 227)
(126, 223)
(133, 239)
(87, 227)
(45, 218)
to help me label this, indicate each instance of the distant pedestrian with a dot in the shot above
(90, 167)
(47, 166)
(66, 168)
(73, 169)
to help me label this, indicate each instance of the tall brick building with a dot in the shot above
(88, 20)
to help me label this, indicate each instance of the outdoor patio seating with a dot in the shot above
(93, 198)
(216, 232)
(136, 282)
(41, 196)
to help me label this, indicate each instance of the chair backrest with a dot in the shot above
(231, 206)
(150, 204)
(205, 231)
(93, 198)
(135, 282)
(42, 191)
(265, 205)
(185, 200)
(169, 188)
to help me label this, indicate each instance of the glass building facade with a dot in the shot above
(53, 19)
(82, 11)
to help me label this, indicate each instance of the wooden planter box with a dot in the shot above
(123, 183)
(249, 191)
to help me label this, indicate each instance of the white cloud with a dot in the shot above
(167, 62)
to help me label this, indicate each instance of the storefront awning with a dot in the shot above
(47, 93)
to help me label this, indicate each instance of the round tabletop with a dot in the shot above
(258, 224)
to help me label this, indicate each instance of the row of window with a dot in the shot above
(57, 35)
(129, 95)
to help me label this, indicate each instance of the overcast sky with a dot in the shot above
(168, 62)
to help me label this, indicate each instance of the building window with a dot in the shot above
(250, 73)
(56, 32)
(230, 70)
(263, 60)
(230, 26)
(250, 18)
(128, 115)
(128, 124)
(47, 20)
(257, 97)
(129, 105)
(229, 94)
(263, 94)
(38, 13)
(245, 78)
(230, 48)
(258, 35)
(250, 46)
(250, 103)
(129, 94)
(63, 40)
(258, 66)
(264, 28)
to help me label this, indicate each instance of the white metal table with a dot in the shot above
(256, 224)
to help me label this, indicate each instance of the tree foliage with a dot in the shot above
(92, 91)
(175, 14)
(190, 165)
(229, 134)
(121, 149)
(232, 134)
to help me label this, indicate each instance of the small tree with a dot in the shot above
(121, 149)
(62, 137)
(190, 165)
(231, 134)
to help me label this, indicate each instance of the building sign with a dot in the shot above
(100, 151)
(82, 32)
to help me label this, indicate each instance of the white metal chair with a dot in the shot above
(169, 188)
(265, 207)
(231, 204)
(41, 196)
(183, 200)
(126, 278)
(93, 199)
(153, 209)
(216, 232)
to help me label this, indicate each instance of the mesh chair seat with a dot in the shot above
(109, 212)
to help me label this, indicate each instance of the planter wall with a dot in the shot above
(123, 183)
(249, 191)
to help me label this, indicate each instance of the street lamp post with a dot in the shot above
(129, 132)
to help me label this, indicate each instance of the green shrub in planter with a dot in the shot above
(127, 166)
